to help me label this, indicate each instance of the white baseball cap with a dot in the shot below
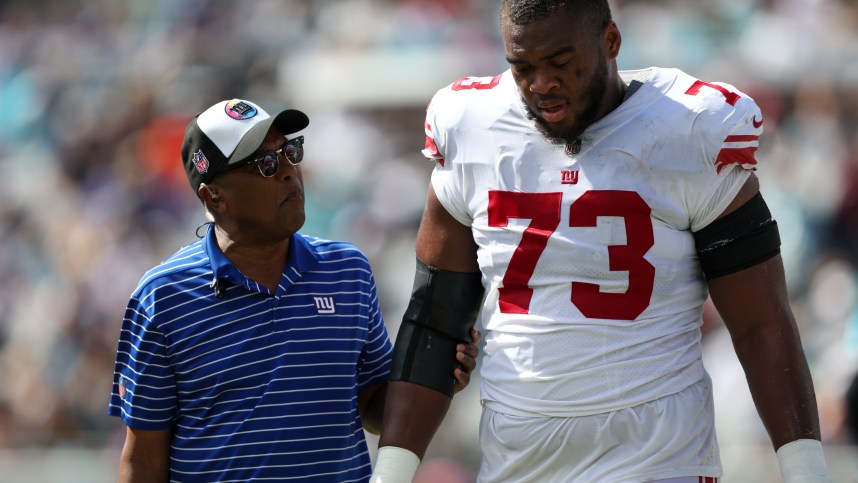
(229, 132)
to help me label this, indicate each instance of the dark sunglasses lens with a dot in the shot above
(267, 164)
(294, 151)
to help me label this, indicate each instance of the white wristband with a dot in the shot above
(394, 465)
(802, 461)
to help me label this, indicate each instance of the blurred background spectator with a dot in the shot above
(95, 95)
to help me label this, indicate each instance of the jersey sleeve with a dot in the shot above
(144, 387)
(728, 127)
(440, 147)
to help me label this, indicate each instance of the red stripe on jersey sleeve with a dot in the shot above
(430, 149)
(741, 138)
(744, 157)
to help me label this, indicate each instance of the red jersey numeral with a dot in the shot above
(729, 96)
(479, 83)
(634, 211)
(543, 209)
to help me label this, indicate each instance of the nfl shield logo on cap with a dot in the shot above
(200, 161)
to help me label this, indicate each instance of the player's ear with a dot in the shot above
(612, 39)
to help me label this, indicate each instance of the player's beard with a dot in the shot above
(591, 98)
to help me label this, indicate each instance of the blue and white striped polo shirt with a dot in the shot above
(257, 385)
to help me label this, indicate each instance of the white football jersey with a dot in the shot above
(594, 293)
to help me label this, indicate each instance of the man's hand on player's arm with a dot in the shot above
(466, 354)
(371, 401)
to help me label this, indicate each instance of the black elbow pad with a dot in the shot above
(443, 308)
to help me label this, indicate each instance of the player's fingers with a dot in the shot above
(467, 349)
(468, 361)
(472, 350)
(462, 379)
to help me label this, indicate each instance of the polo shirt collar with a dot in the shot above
(301, 258)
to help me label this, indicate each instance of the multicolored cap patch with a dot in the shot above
(240, 110)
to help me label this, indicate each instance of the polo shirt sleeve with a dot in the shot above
(374, 365)
(144, 387)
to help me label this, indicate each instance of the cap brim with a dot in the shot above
(288, 122)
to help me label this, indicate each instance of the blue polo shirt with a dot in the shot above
(255, 385)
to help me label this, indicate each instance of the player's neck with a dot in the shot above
(616, 93)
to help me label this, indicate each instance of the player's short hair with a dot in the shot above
(522, 12)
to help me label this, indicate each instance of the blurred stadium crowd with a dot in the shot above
(95, 95)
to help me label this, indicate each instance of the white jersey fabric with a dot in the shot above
(594, 293)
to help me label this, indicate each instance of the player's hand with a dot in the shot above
(466, 354)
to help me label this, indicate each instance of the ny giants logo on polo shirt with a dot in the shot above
(200, 161)
(325, 305)
(239, 110)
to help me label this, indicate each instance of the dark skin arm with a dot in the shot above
(755, 308)
(413, 412)
(145, 456)
(372, 400)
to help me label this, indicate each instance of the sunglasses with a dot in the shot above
(269, 161)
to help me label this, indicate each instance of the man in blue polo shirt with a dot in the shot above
(257, 352)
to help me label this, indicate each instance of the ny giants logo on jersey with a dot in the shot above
(568, 176)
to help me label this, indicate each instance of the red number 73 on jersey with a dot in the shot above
(543, 210)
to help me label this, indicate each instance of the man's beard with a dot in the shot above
(591, 98)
